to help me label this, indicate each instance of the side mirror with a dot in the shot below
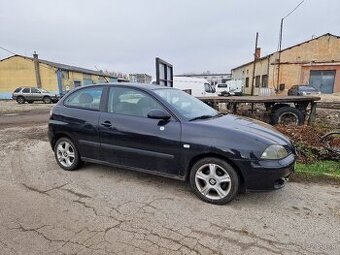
(159, 115)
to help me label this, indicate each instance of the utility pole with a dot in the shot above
(279, 58)
(280, 48)
(254, 64)
(37, 70)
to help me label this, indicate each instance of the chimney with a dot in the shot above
(37, 70)
(258, 53)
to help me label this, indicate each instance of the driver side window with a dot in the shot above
(132, 102)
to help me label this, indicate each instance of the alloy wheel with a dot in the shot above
(213, 181)
(65, 154)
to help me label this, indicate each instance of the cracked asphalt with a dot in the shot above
(102, 210)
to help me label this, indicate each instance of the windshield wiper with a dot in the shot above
(202, 117)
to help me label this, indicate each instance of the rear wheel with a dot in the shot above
(20, 100)
(66, 154)
(47, 100)
(214, 181)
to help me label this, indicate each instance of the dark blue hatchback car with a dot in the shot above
(165, 131)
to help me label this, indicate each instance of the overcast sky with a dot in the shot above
(127, 35)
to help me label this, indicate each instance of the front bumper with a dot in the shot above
(266, 174)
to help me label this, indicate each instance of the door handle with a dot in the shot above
(106, 124)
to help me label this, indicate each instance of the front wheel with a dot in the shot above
(47, 100)
(214, 181)
(66, 154)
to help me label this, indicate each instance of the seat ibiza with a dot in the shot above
(165, 131)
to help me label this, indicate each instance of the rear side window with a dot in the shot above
(26, 90)
(17, 90)
(34, 90)
(88, 98)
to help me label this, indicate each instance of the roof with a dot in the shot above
(201, 74)
(288, 48)
(130, 84)
(64, 67)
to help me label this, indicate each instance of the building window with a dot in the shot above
(247, 82)
(247, 71)
(265, 81)
(65, 75)
(257, 81)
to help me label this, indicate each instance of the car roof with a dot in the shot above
(26, 87)
(129, 84)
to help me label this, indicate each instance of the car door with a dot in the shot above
(35, 94)
(81, 115)
(129, 138)
(26, 92)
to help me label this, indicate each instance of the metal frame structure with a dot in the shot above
(164, 73)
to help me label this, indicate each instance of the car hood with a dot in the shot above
(250, 127)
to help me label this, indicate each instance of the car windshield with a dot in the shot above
(187, 105)
(307, 88)
(44, 90)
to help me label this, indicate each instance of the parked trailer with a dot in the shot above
(282, 109)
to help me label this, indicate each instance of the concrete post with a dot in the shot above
(60, 81)
(37, 70)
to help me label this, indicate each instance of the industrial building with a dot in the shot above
(212, 78)
(18, 70)
(315, 62)
(140, 78)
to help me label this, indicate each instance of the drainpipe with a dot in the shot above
(37, 70)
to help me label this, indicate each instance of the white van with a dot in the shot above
(196, 87)
(230, 88)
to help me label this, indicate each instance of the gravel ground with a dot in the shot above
(10, 106)
(102, 210)
(335, 97)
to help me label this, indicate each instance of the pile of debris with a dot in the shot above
(307, 140)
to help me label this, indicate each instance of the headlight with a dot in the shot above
(274, 152)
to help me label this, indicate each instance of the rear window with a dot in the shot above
(17, 90)
(307, 88)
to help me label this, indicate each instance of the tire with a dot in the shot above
(47, 100)
(225, 94)
(298, 118)
(20, 100)
(66, 154)
(218, 186)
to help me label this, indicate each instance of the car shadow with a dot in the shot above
(176, 187)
